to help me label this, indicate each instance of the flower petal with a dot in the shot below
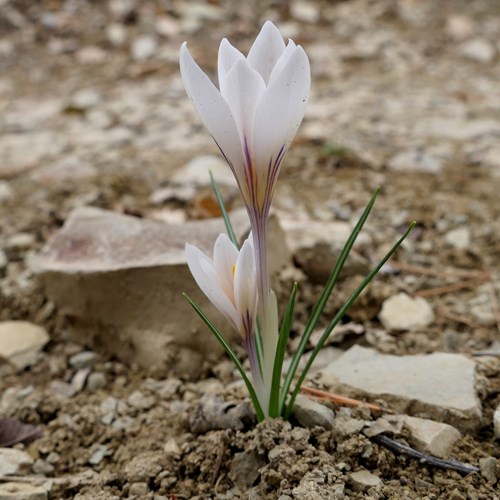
(283, 60)
(228, 55)
(225, 257)
(244, 88)
(203, 272)
(266, 50)
(245, 285)
(280, 110)
(212, 108)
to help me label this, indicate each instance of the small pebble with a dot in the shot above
(98, 456)
(139, 489)
(21, 241)
(96, 381)
(84, 359)
(144, 47)
(43, 467)
(488, 467)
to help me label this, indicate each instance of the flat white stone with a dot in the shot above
(362, 480)
(310, 413)
(439, 386)
(458, 238)
(402, 312)
(14, 462)
(416, 160)
(23, 491)
(20, 342)
(496, 422)
(478, 49)
(127, 275)
(432, 437)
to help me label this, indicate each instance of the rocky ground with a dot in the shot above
(131, 398)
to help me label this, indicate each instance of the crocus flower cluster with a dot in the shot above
(253, 117)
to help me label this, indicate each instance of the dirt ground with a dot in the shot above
(405, 95)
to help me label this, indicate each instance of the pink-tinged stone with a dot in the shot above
(119, 281)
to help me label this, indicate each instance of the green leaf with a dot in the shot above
(232, 355)
(333, 323)
(275, 400)
(320, 305)
(225, 216)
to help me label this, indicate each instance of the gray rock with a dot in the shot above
(345, 426)
(145, 466)
(197, 172)
(488, 466)
(212, 413)
(244, 470)
(139, 489)
(20, 241)
(363, 480)
(316, 246)
(123, 270)
(100, 452)
(459, 27)
(116, 34)
(402, 312)
(23, 491)
(387, 424)
(14, 462)
(416, 160)
(478, 49)
(42, 467)
(21, 342)
(20, 152)
(439, 386)
(6, 191)
(310, 413)
(3, 260)
(458, 238)
(84, 359)
(96, 381)
(83, 100)
(305, 11)
(432, 437)
(144, 47)
(496, 422)
(140, 401)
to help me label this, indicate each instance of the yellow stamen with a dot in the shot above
(233, 270)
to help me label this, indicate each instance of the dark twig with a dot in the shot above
(424, 458)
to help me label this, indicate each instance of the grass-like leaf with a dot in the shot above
(232, 355)
(225, 215)
(275, 400)
(333, 323)
(320, 305)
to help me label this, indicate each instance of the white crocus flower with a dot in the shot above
(228, 280)
(256, 111)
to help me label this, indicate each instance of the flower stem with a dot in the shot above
(268, 308)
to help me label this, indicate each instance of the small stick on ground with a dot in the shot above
(455, 317)
(425, 458)
(430, 292)
(409, 268)
(342, 400)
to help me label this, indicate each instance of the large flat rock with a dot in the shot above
(439, 386)
(119, 281)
